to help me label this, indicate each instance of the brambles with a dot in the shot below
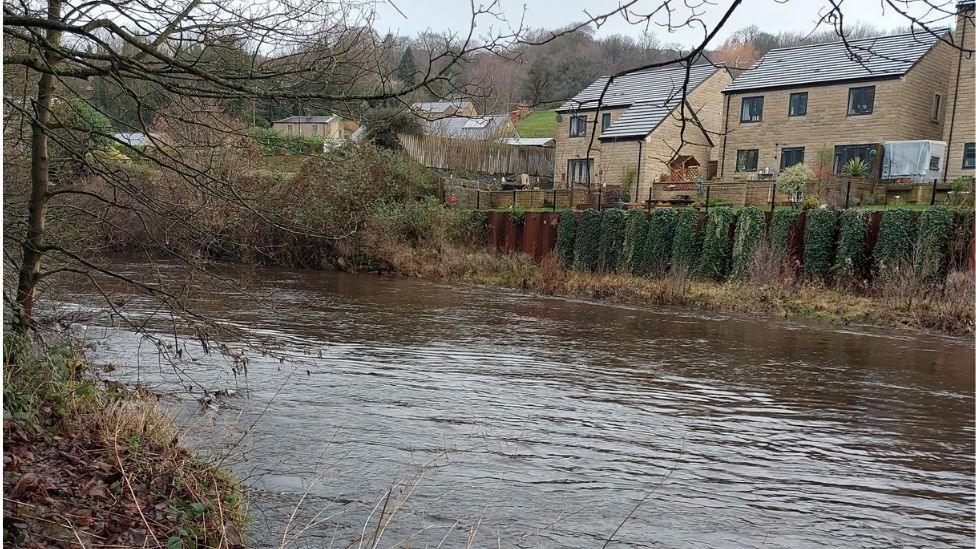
(748, 233)
(687, 241)
(611, 240)
(660, 239)
(849, 262)
(717, 244)
(587, 248)
(566, 238)
(818, 242)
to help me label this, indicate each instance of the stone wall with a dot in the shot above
(962, 122)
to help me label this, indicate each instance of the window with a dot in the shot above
(936, 107)
(291, 129)
(751, 109)
(577, 126)
(934, 163)
(315, 129)
(969, 156)
(860, 101)
(579, 170)
(747, 160)
(844, 153)
(798, 104)
(605, 123)
(790, 156)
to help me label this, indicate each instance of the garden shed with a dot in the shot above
(919, 161)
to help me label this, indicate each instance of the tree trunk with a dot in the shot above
(33, 246)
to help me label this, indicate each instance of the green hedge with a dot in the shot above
(687, 241)
(634, 238)
(818, 242)
(717, 244)
(271, 142)
(895, 240)
(749, 230)
(779, 229)
(935, 231)
(612, 240)
(587, 248)
(850, 243)
(659, 241)
(566, 238)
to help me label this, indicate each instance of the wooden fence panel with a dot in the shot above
(478, 155)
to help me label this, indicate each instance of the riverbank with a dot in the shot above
(100, 465)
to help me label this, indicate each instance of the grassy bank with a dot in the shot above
(92, 465)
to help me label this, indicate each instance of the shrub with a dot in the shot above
(856, 167)
(895, 240)
(634, 237)
(779, 230)
(717, 244)
(818, 242)
(565, 238)
(850, 243)
(271, 142)
(687, 241)
(794, 180)
(659, 241)
(935, 232)
(748, 233)
(612, 240)
(587, 248)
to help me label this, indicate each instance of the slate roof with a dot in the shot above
(137, 139)
(306, 119)
(528, 141)
(441, 106)
(880, 57)
(464, 127)
(640, 119)
(648, 85)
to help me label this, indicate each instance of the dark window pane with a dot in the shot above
(752, 109)
(969, 156)
(860, 101)
(844, 153)
(577, 126)
(798, 104)
(747, 160)
(934, 163)
(605, 122)
(790, 156)
(579, 170)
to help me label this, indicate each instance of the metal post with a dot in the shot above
(847, 199)
(513, 199)
(599, 199)
(708, 192)
(478, 207)
(553, 198)
(932, 202)
(772, 200)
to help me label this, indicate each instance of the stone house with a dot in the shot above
(445, 108)
(329, 127)
(960, 125)
(824, 104)
(647, 128)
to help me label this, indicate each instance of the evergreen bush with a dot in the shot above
(749, 231)
(779, 229)
(818, 242)
(587, 248)
(659, 241)
(687, 241)
(612, 240)
(634, 239)
(850, 243)
(717, 244)
(566, 238)
(896, 238)
(935, 231)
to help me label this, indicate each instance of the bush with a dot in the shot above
(687, 241)
(612, 240)
(850, 243)
(895, 241)
(779, 230)
(794, 180)
(587, 248)
(717, 244)
(565, 238)
(384, 125)
(935, 231)
(818, 242)
(271, 142)
(634, 237)
(659, 241)
(748, 233)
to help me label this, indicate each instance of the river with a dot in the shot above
(519, 421)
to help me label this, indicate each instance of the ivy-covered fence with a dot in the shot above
(853, 245)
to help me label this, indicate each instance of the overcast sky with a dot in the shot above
(770, 15)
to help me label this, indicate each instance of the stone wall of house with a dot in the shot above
(902, 111)
(963, 124)
(663, 145)
(709, 105)
(576, 147)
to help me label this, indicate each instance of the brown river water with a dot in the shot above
(520, 421)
